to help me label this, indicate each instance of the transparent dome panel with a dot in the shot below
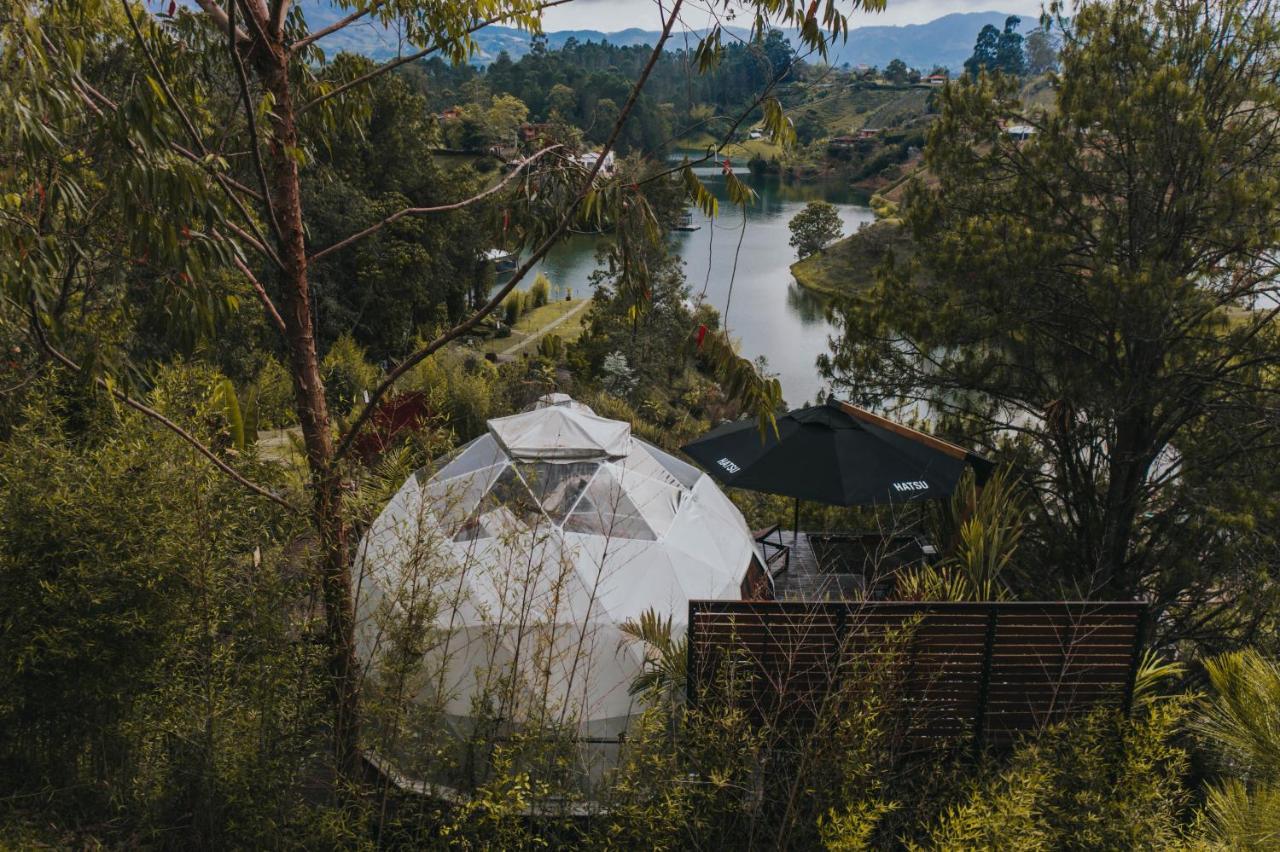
(606, 510)
(453, 501)
(481, 453)
(557, 487)
(509, 492)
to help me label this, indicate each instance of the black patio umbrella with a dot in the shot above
(837, 454)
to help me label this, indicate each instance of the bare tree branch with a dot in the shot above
(348, 438)
(150, 412)
(396, 63)
(443, 208)
(247, 237)
(257, 18)
(220, 19)
(335, 27)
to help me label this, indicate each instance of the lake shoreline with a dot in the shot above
(748, 274)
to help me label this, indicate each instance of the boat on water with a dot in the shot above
(503, 261)
(685, 223)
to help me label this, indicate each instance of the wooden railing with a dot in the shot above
(982, 672)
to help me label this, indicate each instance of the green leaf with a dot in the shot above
(698, 192)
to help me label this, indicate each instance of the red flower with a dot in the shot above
(702, 333)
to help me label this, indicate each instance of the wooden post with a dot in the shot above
(1139, 640)
(980, 717)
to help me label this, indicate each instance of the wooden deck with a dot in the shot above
(805, 579)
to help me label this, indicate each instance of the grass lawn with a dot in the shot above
(545, 315)
(563, 318)
(742, 151)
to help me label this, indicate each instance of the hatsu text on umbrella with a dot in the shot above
(912, 485)
(728, 466)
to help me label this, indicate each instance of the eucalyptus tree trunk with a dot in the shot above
(270, 61)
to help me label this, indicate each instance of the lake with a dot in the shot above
(766, 310)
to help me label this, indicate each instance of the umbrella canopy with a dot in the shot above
(838, 454)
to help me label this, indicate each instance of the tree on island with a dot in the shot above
(814, 227)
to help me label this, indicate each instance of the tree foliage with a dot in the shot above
(814, 227)
(1097, 300)
(998, 50)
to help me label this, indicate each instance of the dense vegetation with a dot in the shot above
(228, 264)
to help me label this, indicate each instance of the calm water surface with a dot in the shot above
(766, 310)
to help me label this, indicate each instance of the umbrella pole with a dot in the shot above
(795, 532)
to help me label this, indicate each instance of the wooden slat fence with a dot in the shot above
(949, 671)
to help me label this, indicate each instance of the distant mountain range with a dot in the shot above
(946, 41)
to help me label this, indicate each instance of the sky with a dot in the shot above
(614, 15)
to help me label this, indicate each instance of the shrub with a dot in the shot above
(1099, 782)
(540, 293)
(149, 654)
(551, 347)
(513, 307)
(464, 391)
(347, 375)
(616, 374)
(270, 397)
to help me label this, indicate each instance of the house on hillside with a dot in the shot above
(588, 161)
(869, 133)
(936, 79)
(1020, 132)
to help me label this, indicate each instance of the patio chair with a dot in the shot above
(776, 554)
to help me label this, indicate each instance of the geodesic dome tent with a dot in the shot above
(523, 552)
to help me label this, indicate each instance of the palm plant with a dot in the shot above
(1241, 721)
(1154, 671)
(665, 670)
(985, 526)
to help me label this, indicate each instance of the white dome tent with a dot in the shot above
(523, 552)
